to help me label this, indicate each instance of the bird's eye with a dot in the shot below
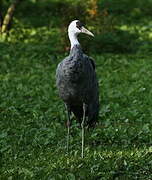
(79, 25)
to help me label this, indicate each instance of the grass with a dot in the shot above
(32, 126)
(32, 117)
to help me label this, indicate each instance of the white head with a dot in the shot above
(75, 28)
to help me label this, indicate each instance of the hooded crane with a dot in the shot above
(77, 83)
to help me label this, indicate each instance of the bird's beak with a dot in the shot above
(84, 30)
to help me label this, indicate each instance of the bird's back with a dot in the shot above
(77, 84)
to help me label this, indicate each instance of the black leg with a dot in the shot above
(68, 125)
(82, 126)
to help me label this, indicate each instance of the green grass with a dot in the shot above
(32, 119)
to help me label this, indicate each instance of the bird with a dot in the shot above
(77, 83)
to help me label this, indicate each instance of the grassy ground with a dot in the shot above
(32, 126)
(32, 117)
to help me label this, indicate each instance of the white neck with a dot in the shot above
(73, 39)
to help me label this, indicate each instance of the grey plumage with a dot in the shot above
(77, 84)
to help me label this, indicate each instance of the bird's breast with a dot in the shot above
(71, 80)
(73, 71)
